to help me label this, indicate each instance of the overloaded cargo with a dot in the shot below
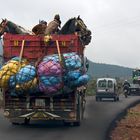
(44, 77)
(50, 74)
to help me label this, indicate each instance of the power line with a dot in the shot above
(118, 24)
(119, 21)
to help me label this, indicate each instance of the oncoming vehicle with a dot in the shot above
(106, 88)
(134, 88)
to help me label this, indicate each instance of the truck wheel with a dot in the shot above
(97, 99)
(15, 123)
(72, 123)
(27, 121)
(82, 108)
(115, 99)
(67, 123)
(78, 123)
(79, 113)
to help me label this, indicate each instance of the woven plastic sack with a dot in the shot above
(49, 68)
(50, 83)
(53, 57)
(30, 87)
(26, 74)
(9, 69)
(72, 61)
(22, 61)
(73, 75)
(82, 80)
(53, 75)
(49, 89)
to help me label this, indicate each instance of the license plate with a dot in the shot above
(40, 102)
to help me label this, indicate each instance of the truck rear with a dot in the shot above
(134, 88)
(66, 104)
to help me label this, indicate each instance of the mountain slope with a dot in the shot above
(104, 70)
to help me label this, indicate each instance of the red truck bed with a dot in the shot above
(35, 47)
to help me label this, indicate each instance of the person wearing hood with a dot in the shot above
(40, 28)
(53, 26)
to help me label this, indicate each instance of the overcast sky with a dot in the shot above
(115, 24)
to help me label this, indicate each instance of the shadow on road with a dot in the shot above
(45, 124)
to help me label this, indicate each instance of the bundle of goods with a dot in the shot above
(53, 74)
(24, 80)
(72, 61)
(18, 76)
(10, 69)
(74, 76)
(49, 72)
(25, 74)
(75, 79)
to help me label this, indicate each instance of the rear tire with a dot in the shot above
(27, 121)
(97, 99)
(67, 123)
(78, 123)
(115, 99)
(15, 123)
(79, 112)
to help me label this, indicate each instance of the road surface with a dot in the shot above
(98, 116)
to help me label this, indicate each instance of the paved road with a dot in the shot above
(98, 116)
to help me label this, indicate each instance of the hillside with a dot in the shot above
(103, 70)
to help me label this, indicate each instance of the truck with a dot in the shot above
(66, 105)
(134, 88)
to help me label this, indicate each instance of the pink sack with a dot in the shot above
(50, 89)
(49, 68)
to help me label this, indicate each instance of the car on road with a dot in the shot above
(107, 88)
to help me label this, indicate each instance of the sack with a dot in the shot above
(8, 70)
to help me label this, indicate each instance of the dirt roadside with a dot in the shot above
(128, 128)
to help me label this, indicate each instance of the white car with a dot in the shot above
(107, 88)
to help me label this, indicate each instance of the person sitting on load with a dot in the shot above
(53, 26)
(40, 28)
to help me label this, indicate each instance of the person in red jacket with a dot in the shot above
(53, 26)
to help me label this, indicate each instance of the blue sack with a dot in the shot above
(73, 75)
(26, 74)
(83, 80)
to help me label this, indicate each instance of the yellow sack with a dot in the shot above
(4, 81)
(27, 86)
(9, 69)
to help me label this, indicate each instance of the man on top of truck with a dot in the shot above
(40, 28)
(54, 25)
